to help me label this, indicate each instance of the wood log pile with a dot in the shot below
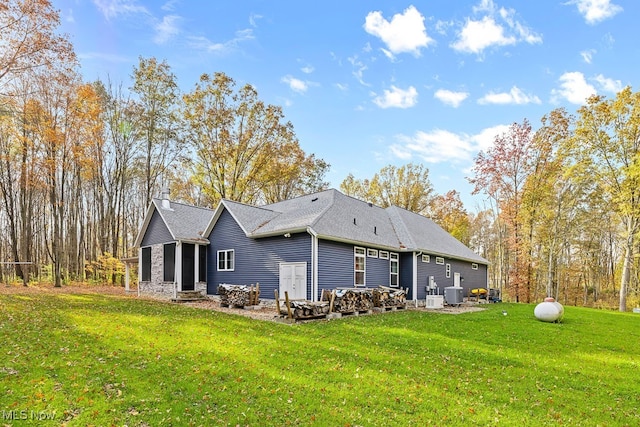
(352, 300)
(239, 295)
(384, 296)
(342, 300)
(305, 309)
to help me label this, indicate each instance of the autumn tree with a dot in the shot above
(607, 141)
(28, 39)
(407, 186)
(114, 171)
(501, 173)
(19, 179)
(448, 212)
(29, 50)
(157, 126)
(243, 149)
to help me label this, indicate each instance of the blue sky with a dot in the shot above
(372, 83)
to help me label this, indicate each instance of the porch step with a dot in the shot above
(186, 296)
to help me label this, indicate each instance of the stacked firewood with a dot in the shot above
(239, 295)
(352, 300)
(305, 309)
(389, 297)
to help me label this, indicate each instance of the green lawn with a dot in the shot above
(87, 359)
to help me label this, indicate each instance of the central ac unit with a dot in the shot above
(435, 301)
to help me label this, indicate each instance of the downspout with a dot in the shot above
(415, 278)
(314, 264)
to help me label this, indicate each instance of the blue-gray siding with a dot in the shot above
(256, 260)
(472, 278)
(157, 232)
(406, 272)
(336, 267)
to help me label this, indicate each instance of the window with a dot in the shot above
(393, 280)
(225, 260)
(426, 258)
(372, 253)
(169, 262)
(448, 270)
(439, 260)
(202, 263)
(474, 266)
(383, 255)
(359, 264)
(145, 275)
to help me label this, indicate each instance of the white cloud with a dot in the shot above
(595, 11)
(514, 96)
(405, 33)
(166, 29)
(451, 98)
(486, 138)
(608, 84)
(113, 8)
(440, 146)
(253, 19)
(574, 88)
(170, 5)
(307, 69)
(498, 27)
(358, 69)
(203, 43)
(476, 36)
(297, 85)
(397, 98)
(587, 55)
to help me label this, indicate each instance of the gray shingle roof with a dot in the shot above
(335, 216)
(185, 222)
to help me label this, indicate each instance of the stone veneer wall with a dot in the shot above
(157, 287)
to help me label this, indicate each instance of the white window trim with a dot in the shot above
(359, 252)
(426, 258)
(474, 266)
(439, 260)
(233, 261)
(448, 270)
(383, 255)
(372, 253)
(394, 257)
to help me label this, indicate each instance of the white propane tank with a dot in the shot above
(549, 311)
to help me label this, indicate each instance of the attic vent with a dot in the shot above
(314, 199)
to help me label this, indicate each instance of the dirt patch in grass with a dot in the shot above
(265, 311)
(76, 288)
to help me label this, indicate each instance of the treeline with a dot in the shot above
(80, 162)
(564, 205)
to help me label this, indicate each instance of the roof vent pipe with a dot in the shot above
(354, 221)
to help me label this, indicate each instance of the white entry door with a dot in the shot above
(293, 279)
(456, 279)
